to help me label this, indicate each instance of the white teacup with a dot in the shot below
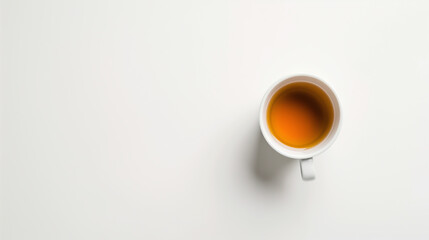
(305, 155)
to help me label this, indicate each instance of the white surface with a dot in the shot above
(139, 119)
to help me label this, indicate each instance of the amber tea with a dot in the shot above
(300, 115)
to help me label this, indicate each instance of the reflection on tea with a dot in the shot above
(300, 115)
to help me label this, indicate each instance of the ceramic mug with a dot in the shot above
(304, 155)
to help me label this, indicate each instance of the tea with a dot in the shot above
(300, 115)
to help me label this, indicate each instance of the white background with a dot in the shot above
(139, 119)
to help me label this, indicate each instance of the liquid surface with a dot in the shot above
(300, 115)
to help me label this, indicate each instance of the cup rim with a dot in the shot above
(300, 153)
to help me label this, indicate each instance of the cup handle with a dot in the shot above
(307, 169)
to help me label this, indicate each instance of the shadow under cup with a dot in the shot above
(300, 117)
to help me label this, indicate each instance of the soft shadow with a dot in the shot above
(270, 167)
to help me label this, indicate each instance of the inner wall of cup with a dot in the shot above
(302, 152)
